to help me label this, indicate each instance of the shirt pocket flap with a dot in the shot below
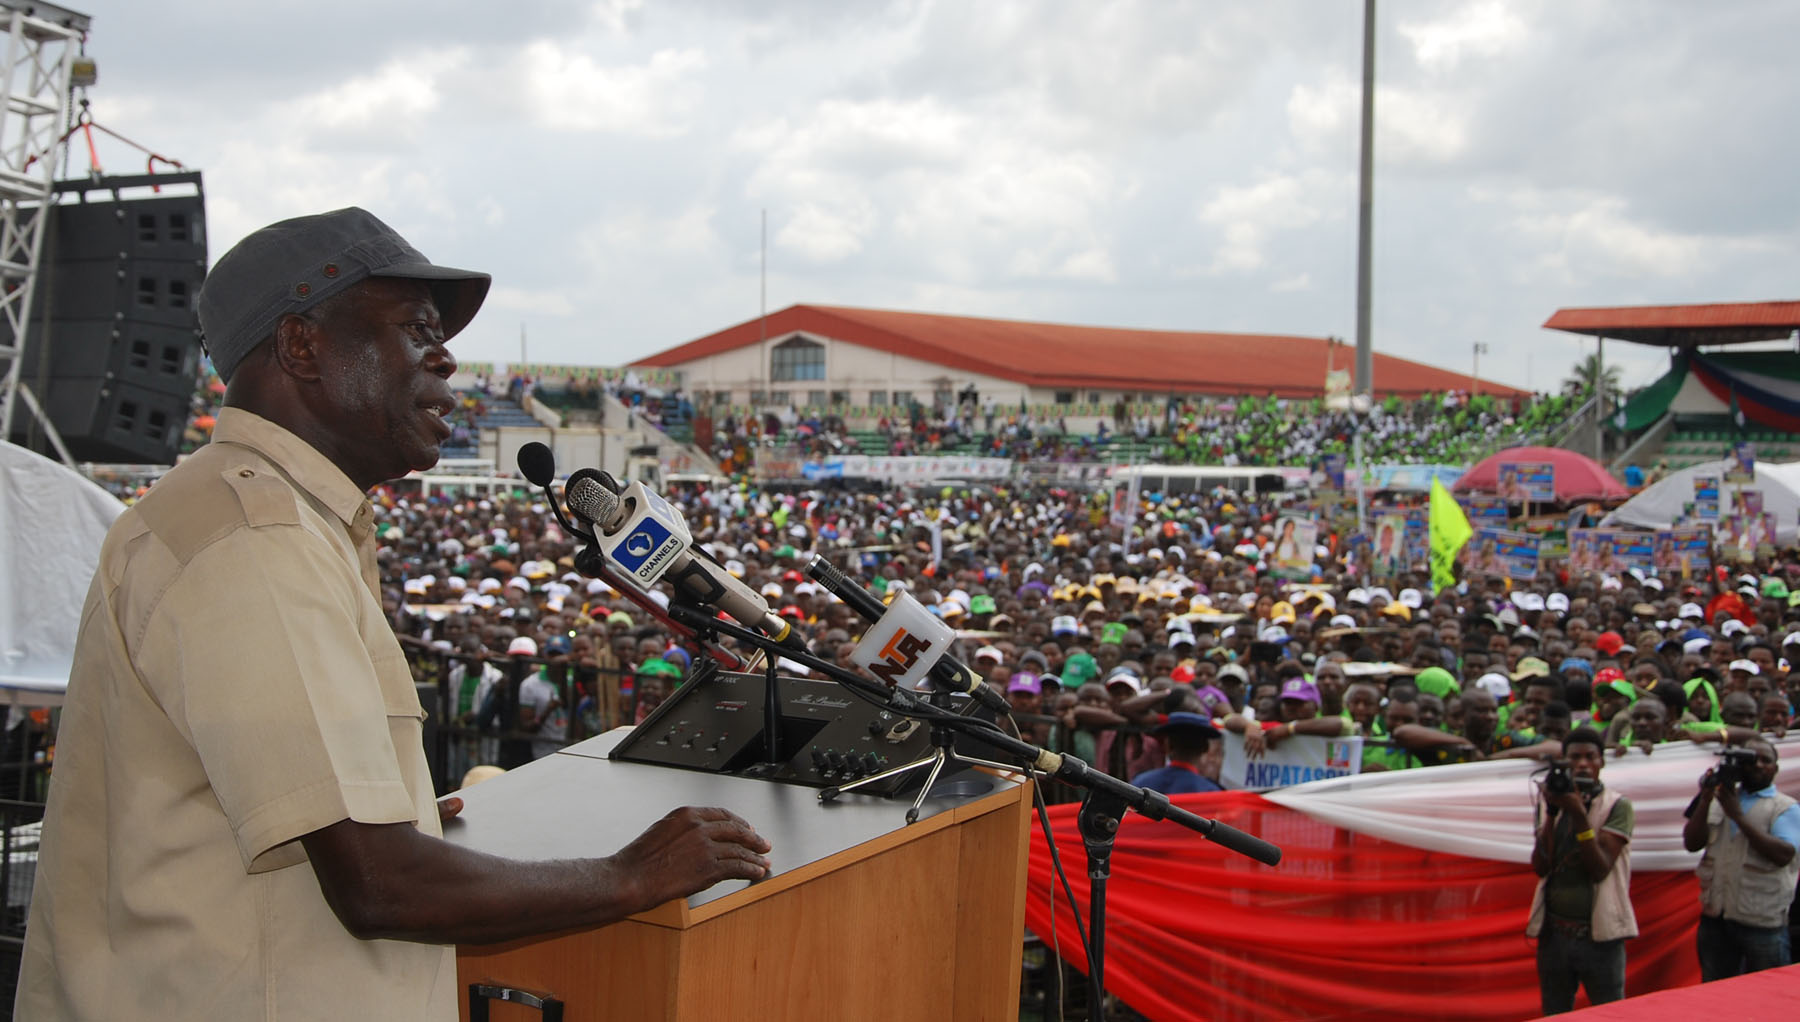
(398, 694)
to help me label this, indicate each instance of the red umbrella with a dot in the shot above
(1578, 477)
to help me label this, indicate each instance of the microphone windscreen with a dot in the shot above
(537, 464)
(591, 501)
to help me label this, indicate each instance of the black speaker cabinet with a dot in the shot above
(116, 360)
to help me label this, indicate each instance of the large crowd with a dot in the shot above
(1450, 428)
(1096, 641)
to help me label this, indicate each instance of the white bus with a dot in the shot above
(1178, 480)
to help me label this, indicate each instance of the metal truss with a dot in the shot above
(41, 45)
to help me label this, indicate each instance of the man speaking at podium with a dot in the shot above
(241, 822)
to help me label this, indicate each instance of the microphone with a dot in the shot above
(537, 464)
(947, 675)
(649, 539)
(591, 499)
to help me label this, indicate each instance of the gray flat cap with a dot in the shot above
(293, 265)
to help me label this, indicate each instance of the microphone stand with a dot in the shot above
(1102, 807)
(943, 753)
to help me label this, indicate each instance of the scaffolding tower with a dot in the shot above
(41, 45)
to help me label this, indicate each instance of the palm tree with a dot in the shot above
(1587, 374)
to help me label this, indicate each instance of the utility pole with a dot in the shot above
(1365, 356)
(1481, 349)
(762, 313)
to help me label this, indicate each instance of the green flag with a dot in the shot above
(1449, 531)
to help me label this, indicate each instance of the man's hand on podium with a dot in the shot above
(688, 851)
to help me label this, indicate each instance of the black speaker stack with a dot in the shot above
(113, 348)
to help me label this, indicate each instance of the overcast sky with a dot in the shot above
(1155, 164)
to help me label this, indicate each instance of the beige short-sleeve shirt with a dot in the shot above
(235, 687)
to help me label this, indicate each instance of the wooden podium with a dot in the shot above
(862, 917)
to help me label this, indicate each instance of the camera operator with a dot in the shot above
(1750, 832)
(1581, 913)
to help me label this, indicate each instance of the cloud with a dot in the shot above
(570, 91)
(967, 197)
(1589, 237)
(538, 301)
(392, 101)
(1411, 125)
(1248, 217)
(1488, 28)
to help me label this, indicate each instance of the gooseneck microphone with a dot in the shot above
(947, 675)
(537, 464)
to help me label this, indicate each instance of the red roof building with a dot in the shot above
(1041, 358)
(1683, 326)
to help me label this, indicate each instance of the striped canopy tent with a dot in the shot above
(1761, 387)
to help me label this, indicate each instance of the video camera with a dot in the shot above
(1560, 781)
(1732, 764)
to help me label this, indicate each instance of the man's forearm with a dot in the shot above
(392, 881)
(434, 892)
(1696, 830)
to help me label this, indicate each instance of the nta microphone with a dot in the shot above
(947, 675)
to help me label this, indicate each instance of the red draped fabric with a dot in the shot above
(1347, 927)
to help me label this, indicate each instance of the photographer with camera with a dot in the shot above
(1750, 832)
(1581, 913)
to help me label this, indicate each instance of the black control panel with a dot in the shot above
(828, 736)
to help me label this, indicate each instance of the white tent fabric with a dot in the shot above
(52, 522)
(1659, 505)
(1484, 810)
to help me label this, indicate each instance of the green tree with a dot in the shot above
(1587, 374)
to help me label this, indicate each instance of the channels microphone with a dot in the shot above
(947, 675)
(696, 579)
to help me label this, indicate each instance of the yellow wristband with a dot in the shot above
(1586, 835)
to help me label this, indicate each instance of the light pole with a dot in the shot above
(1481, 349)
(1365, 357)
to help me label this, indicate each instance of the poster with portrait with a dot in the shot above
(1333, 467)
(1295, 539)
(1124, 510)
(1584, 547)
(1417, 548)
(1483, 510)
(1388, 553)
(1743, 537)
(1748, 502)
(1741, 466)
(1706, 498)
(1684, 552)
(1632, 549)
(1506, 553)
(1522, 481)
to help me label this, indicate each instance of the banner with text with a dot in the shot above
(1296, 760)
